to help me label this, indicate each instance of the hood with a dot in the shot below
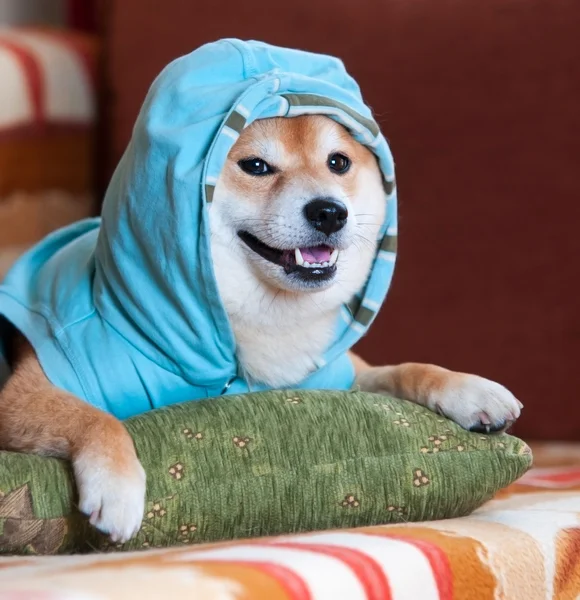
(154, 282)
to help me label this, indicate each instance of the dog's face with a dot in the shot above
(302, 203)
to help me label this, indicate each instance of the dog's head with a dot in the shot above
(299, 203)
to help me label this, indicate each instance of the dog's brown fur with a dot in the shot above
(38, 418)
(295, 138)
(410, 381)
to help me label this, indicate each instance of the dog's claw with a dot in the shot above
(489, 429)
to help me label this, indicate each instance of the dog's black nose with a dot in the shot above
(326, 215)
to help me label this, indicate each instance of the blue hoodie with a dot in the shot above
(123, 310)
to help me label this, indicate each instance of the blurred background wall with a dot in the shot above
(480, 103)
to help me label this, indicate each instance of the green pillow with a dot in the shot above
(270, 463)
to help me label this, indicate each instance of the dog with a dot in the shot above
(293, 223)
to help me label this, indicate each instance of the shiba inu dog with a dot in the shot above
(195, 283)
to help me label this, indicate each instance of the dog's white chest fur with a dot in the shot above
(280, 335)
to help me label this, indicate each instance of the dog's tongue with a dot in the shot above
(316, 254)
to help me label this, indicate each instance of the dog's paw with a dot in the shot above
(477, 404)
(112, 497)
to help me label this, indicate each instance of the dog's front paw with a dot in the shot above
(477, 404)
(112, 495)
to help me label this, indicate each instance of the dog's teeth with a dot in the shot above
(308, 265)
(299, 259)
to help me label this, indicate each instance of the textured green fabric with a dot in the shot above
(270, 463)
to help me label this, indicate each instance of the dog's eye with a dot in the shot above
(255, 166)
(338, 163)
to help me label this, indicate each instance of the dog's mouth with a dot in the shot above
(313, 262)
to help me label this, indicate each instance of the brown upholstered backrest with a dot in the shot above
(481, 102)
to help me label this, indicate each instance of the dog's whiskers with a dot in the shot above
(369, 243)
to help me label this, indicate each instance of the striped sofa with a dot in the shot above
(47, 133)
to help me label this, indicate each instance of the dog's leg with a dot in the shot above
(36, 417)
(473, 402)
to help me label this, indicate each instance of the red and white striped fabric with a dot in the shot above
(47, 79)
(521, 546)
(358, 566)
(552, 478)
